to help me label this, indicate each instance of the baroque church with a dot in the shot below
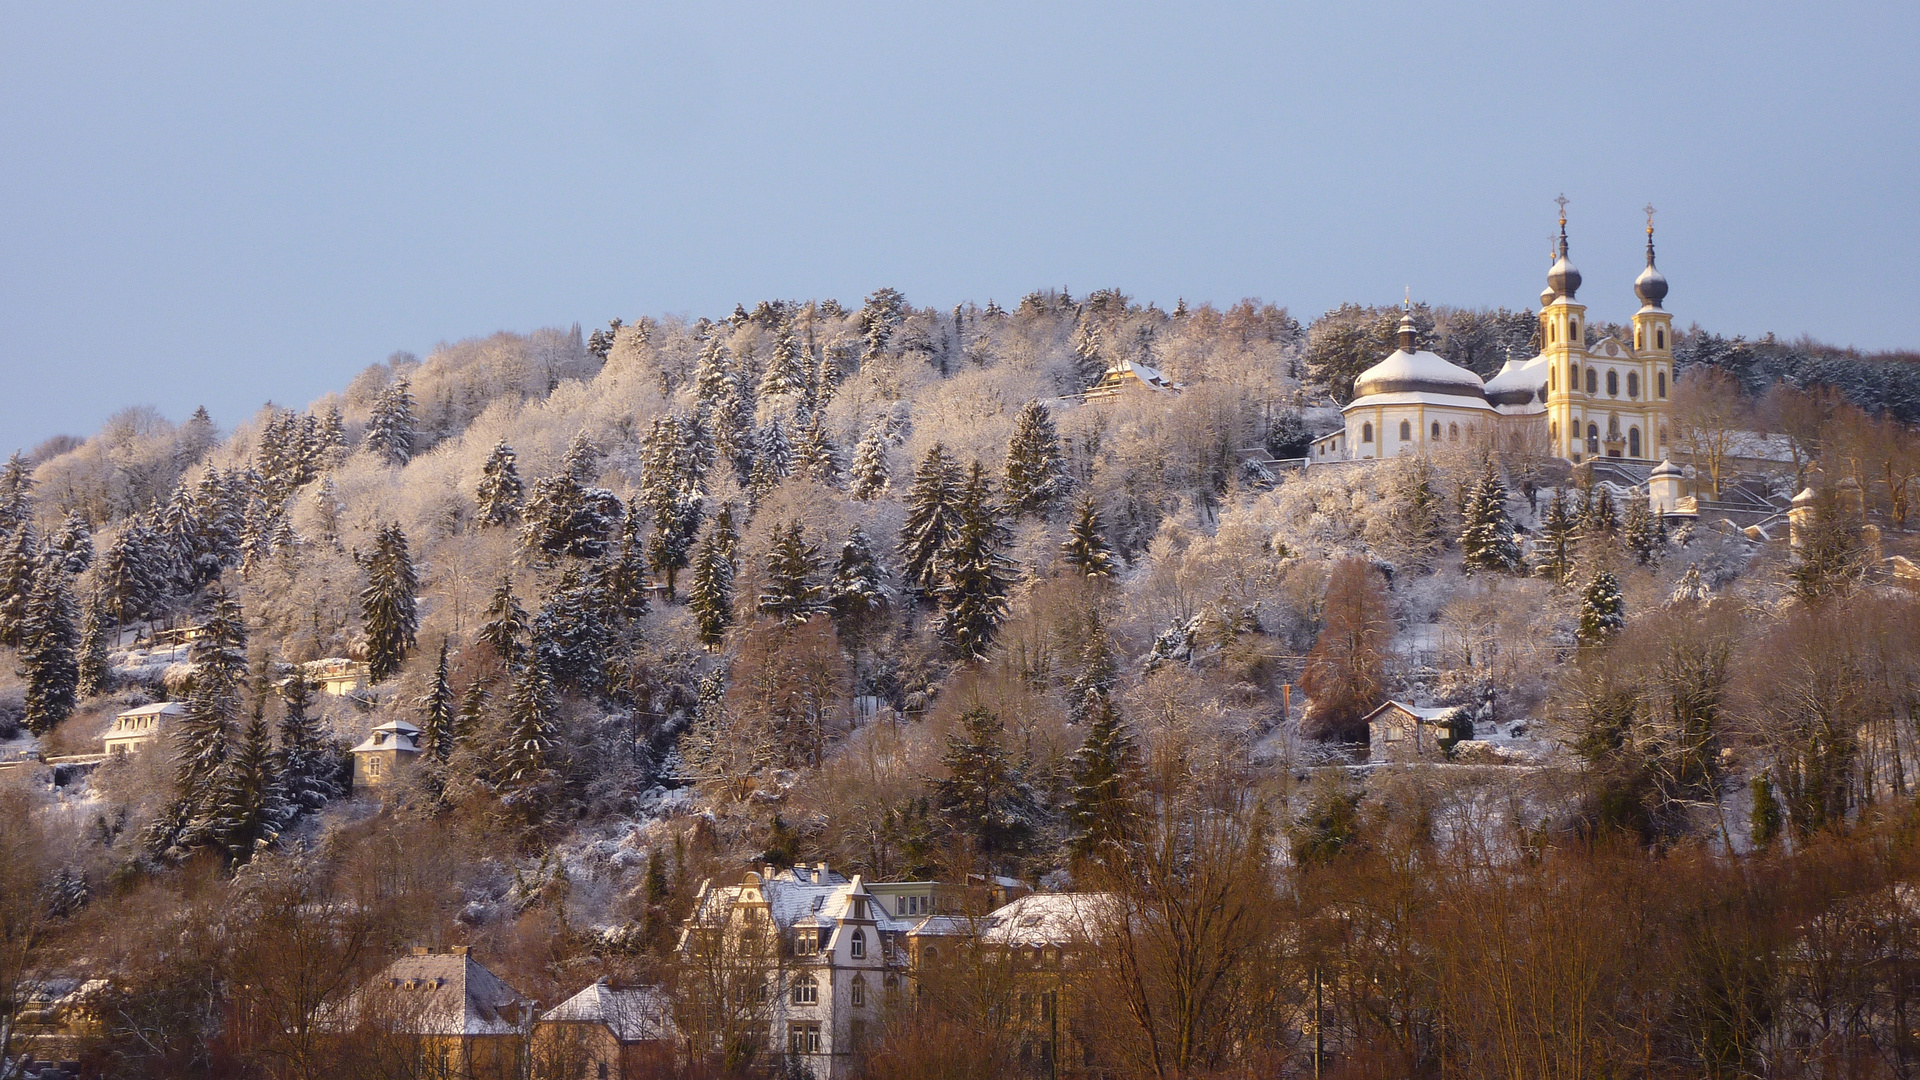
(1580, 400)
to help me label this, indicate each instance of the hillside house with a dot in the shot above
(136, 728)
(1400, 732)
(606, 1032)
(442, 1011)
(337, 675)
(386, 751)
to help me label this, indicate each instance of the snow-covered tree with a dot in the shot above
(387, 604)
(1690, 589)
(793, 591)
(72, 545)
(984, 795)
(134, 572)
(624, 581)
(1085, 548)
(1036, 468)
(570, 640)
(859, 591)
(1645, 533)
(1603, 611)
(819, 457)
(16, 493)
(95, 676)
(47, 650)
(436, 711)
(305, 767)
(786, 374)
(203, 812)
(1098, 669)
(392, 428)
(1555, 548)
(567, 518)
(976, 575)
(668, 489)
(506, 624)
(932, 519)
(526, 764)
(774, 462)
(1487, 541)
(19, 567)
(500, 494)
(710, 596)
(869, 472)
(252, 805)
(1107, 785)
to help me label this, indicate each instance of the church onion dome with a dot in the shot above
(1546, 297)
(1666, 468)
(1651, 285)
(1563, 279)
(1410, 372)
(1518, 382)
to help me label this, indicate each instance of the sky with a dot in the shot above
(225, 204)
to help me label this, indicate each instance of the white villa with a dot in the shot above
(135, 728)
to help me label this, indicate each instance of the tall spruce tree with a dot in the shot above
(1097, 673)
(710, 597)
(16, 493)
(1036, 467)
(933, 516)
(526, 765)
(793, 592)
(819, 457)
(73, 544)
(786, 373)
(976, 574)
(869, 471)
(500, 494)
(983, 794)
(506, 624)
(204, 736)
(387, 604)
(436, 711)
(859, 591)
(1556, 540)
(1644, 533)
(95, 675)
(19, 568)
(570, 639)
(47, 650)
(391, 429)
(1603, 611)
(624, 580)
(305, 767)
(1085, 548)
(669, 491)
(253, 805)
(1103, 808)
(1487, 541)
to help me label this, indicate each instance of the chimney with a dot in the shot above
(423, 950)
(460, 950)
(820, 873)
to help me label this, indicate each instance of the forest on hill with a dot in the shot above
(879, 587)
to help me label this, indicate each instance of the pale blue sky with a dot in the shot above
(230, 203)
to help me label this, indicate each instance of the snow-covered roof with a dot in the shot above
(1049, 919)
(392, 735)
(1416, 397)
(1519, 384)
(158, 708)
(794, 898)
(1434, 713)
(1419, 372)
(632, 1013)
(441, 994)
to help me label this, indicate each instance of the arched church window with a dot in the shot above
(1553, 430)
(1663, 384)
(1406, 431)
(1613, 384)
(1593, 436)
(1593, 383)
(1573, 329)
(1453, 432)
(1553, 379)
(1436, 431)
(1636, 340)
(1633, 384)
(1660, 338)
(1633, 442)
(1366, 432)
(1573, 376)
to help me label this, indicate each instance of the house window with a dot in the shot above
(1366, 432)
(1633, 442)
(1633, 384)
(1436, 431)
(1613, 383)
(1663, 384)
(857, 947)
(373, 766)
(1593, 383)
(1453, 432)
(860, 907)
(803, 1038)
(806, 991)
(857, 993)
(806, 942)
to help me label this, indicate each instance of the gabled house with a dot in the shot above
(137, 728)
(443, 1014)
(1400, 732)
(606, 1032)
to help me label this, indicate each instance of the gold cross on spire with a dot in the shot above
(1649, 209)
(1562, 200)
(1407, 304)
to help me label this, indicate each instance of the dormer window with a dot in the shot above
(857, 945)
(806, 942)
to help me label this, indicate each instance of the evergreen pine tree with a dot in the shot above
(793, 592)
(570, 640)
(73, 544)
(786, 373)
(473, 710)
(819, 458)
(1106, 783)
(932, 519)
(532, 740)
(1765, 819)
(667, 489)
(1085, 548)
(1557, 539)
(625, 579)
(869, 473)
(1097, 672)
(976, 575)
(304, 766)
(1036, 467)
(204, 736)
(1598, 521)
(710, 597)
(983, 794)
(582, 460)
(19, 568)
(387, 606)
(1602, 610)
(254, 807)
(1418, 525)
(436, 712)
(1487, 543)
(500, 494)
(47, 645)
(1832, 553)
(506, 624)
(16, 493)
(134, 572)
(568, 518)
(194, 438)
(95, 675)
(773, 463)
(391, 428)
(1644, 533)
(858, 590)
